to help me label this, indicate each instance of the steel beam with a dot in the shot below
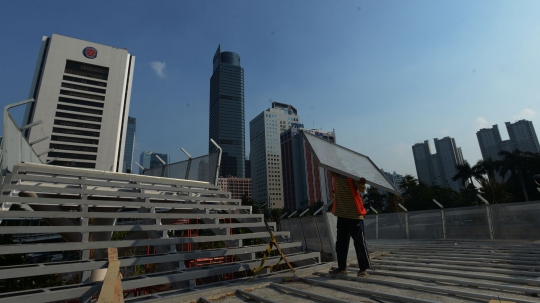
(253, 296)
(44, 247)
(450, 267)
(120, 215)
(525, 290)
(366, 292)
(463, 275)
(307, 294)
(431, 289)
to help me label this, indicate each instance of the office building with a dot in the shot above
(227, 123)
(248, 168)
(522, 136)
(265, 157)
(82, 91)
(130, 145)
(304, 182)
(238, 187)
(150, 159)
(438, 168)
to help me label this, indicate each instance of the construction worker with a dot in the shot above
(349, 209)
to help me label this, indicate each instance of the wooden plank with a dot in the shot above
(111, 291)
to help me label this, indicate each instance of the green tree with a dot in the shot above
(375, 198)
(516, 163)
(464, 173)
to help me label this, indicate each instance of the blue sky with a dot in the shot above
(383, 74)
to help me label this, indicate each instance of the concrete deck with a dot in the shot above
(403, 271)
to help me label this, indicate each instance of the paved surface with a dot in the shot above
(406, 271)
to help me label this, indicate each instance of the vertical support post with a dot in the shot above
(406, 219)
(219, 160)
(488, 215)
(376, 223)
(189, 163)
(443, 220)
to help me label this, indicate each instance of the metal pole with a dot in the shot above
(164, 166)
(219, 160)
(283, 215)
(443, 221)
(376, 223)
(292, 214)
(140, 166)
(406, 219)
(305, 211)
(488, 215)
(189, 163)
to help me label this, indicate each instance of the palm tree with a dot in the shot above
(486, 167)
(464, 173)
(516, 164)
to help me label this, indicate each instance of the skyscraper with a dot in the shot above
(490, 142)
(438, 168)
(82, 91)
(265, 152)
(227, 122)
(523, 136)
(130, 145)
(149, 160)
(303, 179)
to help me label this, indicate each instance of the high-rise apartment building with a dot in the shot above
(522, 136)
(150, 160)
(395, 178)
(438, 168)
(82, 91)
(265, 152)
(227, 122)
(130, 145)
(303, 179)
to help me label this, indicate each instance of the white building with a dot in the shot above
(265, 152)
(438, 168)
(82, 91)
(395, 178)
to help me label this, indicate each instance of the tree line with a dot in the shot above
(509, 179)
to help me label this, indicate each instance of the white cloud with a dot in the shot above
(444, 131)
(525, 114)
(480, 122)
(158, 67)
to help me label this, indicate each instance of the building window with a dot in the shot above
(81, 95)
(80, 102)
(86, 70)
(80, 80)
(74, 140)
(80, 109)
(76, 124)
(85, 88)
(73, 164)
(73, 147)
(78, 117)
(75, 132)
(72, 156)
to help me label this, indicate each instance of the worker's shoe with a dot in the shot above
(338, 271)
(362, 273)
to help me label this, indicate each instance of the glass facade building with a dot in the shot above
(130, 145)
(149, 160)
(226, 123)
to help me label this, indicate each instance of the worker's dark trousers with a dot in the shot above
(347, 228)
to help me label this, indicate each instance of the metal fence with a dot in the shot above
(202, 168)
(150, 220)
(313, 232)
(513, 221)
